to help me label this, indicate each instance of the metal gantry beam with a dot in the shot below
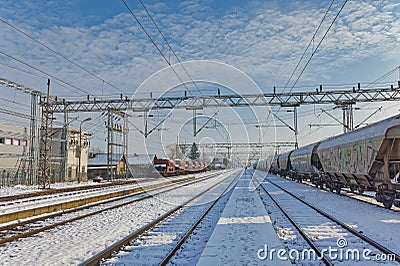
(292, 99)
(340, 98)
(242, 144)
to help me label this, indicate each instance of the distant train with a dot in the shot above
(167, 167)
(367, 159)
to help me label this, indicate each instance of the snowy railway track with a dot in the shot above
(318, 228)
(159, 240)
(15, 231)
(32, 196)
(62, 202)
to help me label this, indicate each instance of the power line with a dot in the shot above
(45, 73)
(319, 44)
(169, 46)
(61, 55)
(384, 76)
(155, 45)
(39, 76)
(375, 82)
(309, 44)
(14, 102)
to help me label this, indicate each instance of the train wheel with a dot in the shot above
(387, 202)
(361, 190)
(321, 185)
(331, 187)
(378, 197)
(352, 188)
(338, 188)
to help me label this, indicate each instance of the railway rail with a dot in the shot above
(62, 202)
(22, 229)
(316, 226)
(369, 199)
(179, 222)
(24, 196)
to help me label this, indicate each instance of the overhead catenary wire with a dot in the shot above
(375, 82)
(42, 77)
(156, 46)
(45, 73)
(308, 46)
(319, 44)
(317, 47)
(61, 55)
(169, 46)
(302, 56)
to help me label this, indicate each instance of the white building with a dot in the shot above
(68, 150)
(68, 155)
(13, 152)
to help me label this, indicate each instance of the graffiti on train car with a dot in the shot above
(356, 157)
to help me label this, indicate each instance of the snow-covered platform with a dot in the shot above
(243, 232)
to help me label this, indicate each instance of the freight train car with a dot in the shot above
(367, 158)
(284, 164)
(364, 159)
(165, 167)
(263, 165)
(179, 166)
(275, 165)
(305, 164)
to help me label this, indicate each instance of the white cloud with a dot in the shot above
(266, 45)
(265, 41)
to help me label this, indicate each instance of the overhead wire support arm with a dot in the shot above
(334, 118)
(205, 124)
(156, 126)
(368, 117)
(286, 124)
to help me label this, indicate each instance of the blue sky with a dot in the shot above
(264, 39)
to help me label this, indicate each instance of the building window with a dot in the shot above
(69, 172)
(23, 142)
(1, 140)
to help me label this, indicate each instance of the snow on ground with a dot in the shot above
(243, 229)
(25, 189)
(45, 200)
(75, 242)
(22, 189)
(379, 224)
(190, 251)
(151, 247)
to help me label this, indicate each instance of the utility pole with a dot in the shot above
(33, 141)
(177, 148)
(296, 132)
(194, 123)
(45, 142)
(125, 143)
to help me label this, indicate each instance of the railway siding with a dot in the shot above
(22, 214)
